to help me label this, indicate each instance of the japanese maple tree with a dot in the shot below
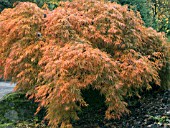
(53, 55)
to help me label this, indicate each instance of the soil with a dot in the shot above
(150, 111)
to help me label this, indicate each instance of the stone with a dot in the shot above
(12, 115)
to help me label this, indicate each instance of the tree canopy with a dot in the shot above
(155, 13)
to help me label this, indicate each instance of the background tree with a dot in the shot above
(155, 13)
(51, 4)
(139, 5)
(4, 4)
(161, 15)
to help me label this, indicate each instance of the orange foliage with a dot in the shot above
(81, 43)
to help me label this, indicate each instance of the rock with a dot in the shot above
(153, 126)
(15, 107)
(168, 113)
(12, 115)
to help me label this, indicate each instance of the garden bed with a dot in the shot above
(153, 111)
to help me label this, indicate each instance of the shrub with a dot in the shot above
(53, 55)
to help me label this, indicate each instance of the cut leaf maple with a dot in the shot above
(83, 43)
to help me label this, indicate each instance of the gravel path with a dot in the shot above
(5, 87)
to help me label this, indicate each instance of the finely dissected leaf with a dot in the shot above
(79, 44)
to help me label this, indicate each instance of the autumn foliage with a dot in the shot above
(53, 55)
